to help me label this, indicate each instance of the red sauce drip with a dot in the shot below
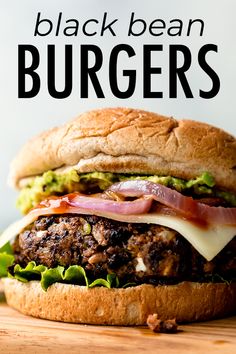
(59, 205)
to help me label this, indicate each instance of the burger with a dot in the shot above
(126, 213)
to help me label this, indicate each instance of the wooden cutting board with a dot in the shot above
(27, 335)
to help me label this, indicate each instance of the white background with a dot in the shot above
(22, 118)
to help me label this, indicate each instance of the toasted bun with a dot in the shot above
(186, 302)
(131, 141)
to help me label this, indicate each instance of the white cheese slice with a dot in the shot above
(207, 241)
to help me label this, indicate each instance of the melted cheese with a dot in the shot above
(207, 241)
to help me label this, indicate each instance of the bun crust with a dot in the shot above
(131, 141)
(186, 302)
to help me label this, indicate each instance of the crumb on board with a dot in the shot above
(159, 326)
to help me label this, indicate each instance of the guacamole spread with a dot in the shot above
(52, 183)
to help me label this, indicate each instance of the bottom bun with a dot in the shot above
(185, 301)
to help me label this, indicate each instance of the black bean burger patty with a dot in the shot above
(135, 252)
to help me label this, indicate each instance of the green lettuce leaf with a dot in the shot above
(30, 272)
(51, 276)
(74, 274)
(6, 259)
(6, 248)
(111, 282)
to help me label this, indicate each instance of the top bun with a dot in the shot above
(130, 141)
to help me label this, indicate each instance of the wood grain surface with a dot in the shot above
(22, 334)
